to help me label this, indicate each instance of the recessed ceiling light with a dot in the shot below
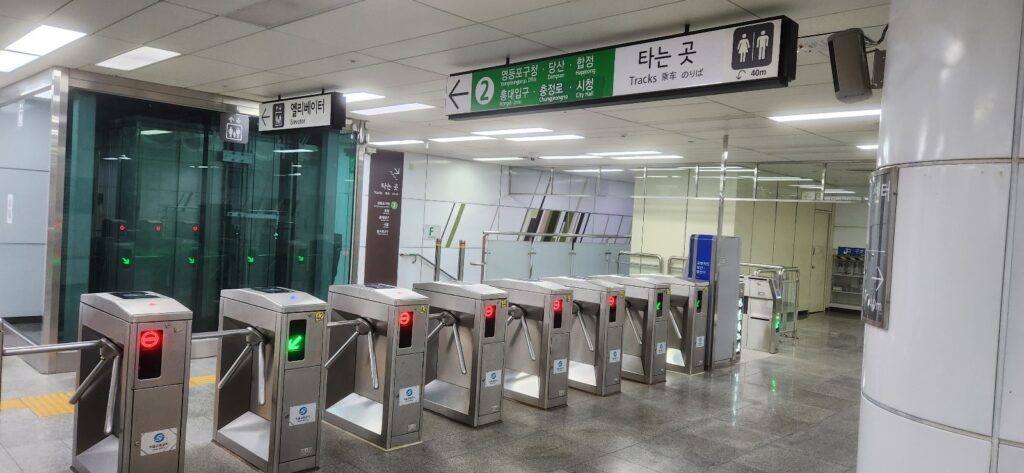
(596, 170)
(491, 160)
(396, 142)
(546, 138)
(581, 156)
(681, 168)
(783, 179)
(405, 107)
(354, 97)
(137, 58)
(626, 153)
(513, 131)
(10, 60)
(838, 191)
(867, 147)
(827, 115)
(456, 139)
(44, 40)
(293, 151)
(637, 158)
(153, 132)
(806, 186)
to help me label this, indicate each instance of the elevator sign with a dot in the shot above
(878, 256)
(313, 111)
(746, 56)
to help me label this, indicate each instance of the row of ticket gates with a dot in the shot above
(368, 361)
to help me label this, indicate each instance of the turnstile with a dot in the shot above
(386, 326)
(131, 418)
(537, 345)
(595, 346)
(762, 314)
(465, 351)
(645, 346)
(689, 322)
(268, 377)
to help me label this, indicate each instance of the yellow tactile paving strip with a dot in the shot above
(56, 404)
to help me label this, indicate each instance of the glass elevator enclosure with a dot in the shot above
(156, 200)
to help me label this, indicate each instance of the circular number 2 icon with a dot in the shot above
(484, 90)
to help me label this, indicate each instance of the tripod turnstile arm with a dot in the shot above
(583, 323)
(261, 379)
(433, 333)
(234, 366)
(373, 359)
(675, 323)
(632, 325)
(529, 342)
(115, 374)
(90, 380)
(458, 347)
(341, 349)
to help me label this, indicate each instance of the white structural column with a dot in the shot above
(943, 386)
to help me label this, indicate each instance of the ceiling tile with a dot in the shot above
(187, 71)
(291, 88)
(271, 13)
(31, 11)
(480, 55)
(568, 13)
(155, 21)
(341, 62)
(217, 7)
(376, 77)
(243, 82)
(799, 9)
(88, 51)
(207, 34)
(861, 18)
(484, 10)
(11, 29)
(270, 49)
(656, 114)
(90, 16)
(444, 41)
(373, 23)
(789, 100)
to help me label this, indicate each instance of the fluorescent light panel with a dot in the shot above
(137, 58)
(512, 131)
(10, 60)
(44, 40)
(153, 132)
(867, 147)
(494, 160)
(594, 170)
(638, 158)
(581, 156)
(405, 107)
(782, 179)
(361, 97)
(827, 115)
(546, 138)
(626, 153)
(293, 151)
(396, 142)
(456, 139)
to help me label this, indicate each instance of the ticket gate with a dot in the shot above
(537, 344)
(643, 352)
(268, 377)
(386, 327)
(595, 346)
(761, 306)
(465, 351)
(689, 321)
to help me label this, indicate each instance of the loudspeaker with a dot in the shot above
(850, 76)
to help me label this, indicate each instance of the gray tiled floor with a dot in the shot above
(793, 412)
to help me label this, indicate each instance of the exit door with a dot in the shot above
(820, 266)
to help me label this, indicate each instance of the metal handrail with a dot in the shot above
(416, 256)
(488, 233)
(618, 259)
(781, 275)
(668, 267)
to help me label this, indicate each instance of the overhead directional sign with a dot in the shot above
(313, 111)
(746, 56)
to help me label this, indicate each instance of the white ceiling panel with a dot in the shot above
(787, 141)
(568, 13)
(271, 13)
(217, 7)
(838, 126)
(186, 71)
(374, 23)
(89, 16)
(341, 62)
(11, 29)
(861, 18)
(270, 49)
(480, 55)
(655, 114)
(716, 135)
(292, 88)
(444, 41)
(243, 82)
(34, 10)
(799, 9)
(643, 24)
(484, 10)
(784, 100)
(87, 51)
(207, 34)
(377, 76)
(155, 21)
(812, 74)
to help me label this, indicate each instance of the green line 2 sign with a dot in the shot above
(747, 56)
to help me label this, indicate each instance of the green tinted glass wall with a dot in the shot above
(157, 201)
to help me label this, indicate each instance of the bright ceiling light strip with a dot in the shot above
(594, 170)
(493, 160)
(827, 115)
(10, 60)
(638, 158)
(44, 40)
(153, 132)
(867, 147)
(405, 107)
(395, 142)
(546, 138)
(512, 131)
(626, 153)
(582, 156)
(354, 97)
(457, 139)
(137, 58)
(783, 179)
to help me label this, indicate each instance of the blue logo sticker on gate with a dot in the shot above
(303, 411)
(494, 375)
(159, 437)
(408, 392)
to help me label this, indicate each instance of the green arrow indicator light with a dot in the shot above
(126, 261)
(250, 259)
(296, 346)
(191, 260)
(657, 306)
(302, 259)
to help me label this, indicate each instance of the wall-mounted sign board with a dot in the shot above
(313, 111)
(746, 56)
